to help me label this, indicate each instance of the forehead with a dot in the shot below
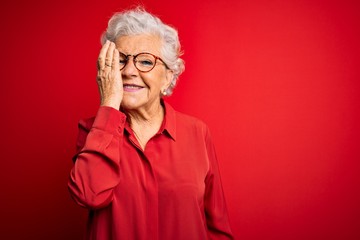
(139, 43)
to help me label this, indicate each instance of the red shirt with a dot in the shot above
(169, 191)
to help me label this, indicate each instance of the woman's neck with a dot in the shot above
(146, 115)
(145, 123)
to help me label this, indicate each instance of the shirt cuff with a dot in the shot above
(109, 119)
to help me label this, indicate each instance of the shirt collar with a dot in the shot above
(168, 125)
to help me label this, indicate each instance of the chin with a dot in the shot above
(131, 103)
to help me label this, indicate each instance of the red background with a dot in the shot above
(276, 81)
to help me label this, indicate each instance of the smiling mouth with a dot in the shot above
(132, 87)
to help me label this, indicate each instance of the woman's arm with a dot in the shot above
(215, 205)
(96, 169)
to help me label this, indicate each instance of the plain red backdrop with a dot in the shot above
(276, 81)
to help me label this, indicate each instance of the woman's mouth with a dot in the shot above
(132, 87)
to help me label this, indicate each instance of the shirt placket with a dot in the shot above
(152, 197)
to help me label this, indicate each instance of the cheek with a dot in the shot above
(155, 80)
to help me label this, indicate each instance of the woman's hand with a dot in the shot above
(109, 77)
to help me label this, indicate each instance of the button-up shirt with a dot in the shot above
(171, 190)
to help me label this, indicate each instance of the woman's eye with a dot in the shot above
(146, 62)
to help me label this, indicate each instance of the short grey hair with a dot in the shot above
(138, 21)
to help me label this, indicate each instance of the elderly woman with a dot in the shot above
(144, 170)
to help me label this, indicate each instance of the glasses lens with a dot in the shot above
(122, 60)
(145, 62)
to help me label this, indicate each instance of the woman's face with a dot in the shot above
(142, 90)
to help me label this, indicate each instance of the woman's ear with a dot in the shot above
(169, 78)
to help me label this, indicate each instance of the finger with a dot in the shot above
(116, 59)
(109, 55)
(98, 77)
(102, 55)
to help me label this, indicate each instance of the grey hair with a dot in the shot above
(138, 21)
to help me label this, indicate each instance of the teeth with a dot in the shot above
(131, 86)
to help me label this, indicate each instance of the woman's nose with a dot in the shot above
(129, 69)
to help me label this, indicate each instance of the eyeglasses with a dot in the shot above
(144, 62)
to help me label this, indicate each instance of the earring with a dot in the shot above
(163, 92)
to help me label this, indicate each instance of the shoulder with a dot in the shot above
(184, 121)
(193, 130)
(190, 123)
